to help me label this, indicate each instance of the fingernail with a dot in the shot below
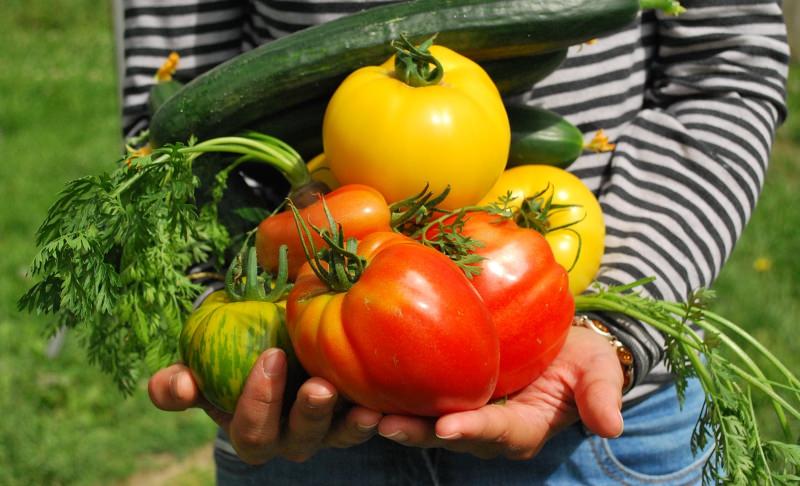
(174, 385)
(397, 436)
(453, 436)
(271, 363)
(173, 388)
(622, 424)
(320, 400)
(366, 427)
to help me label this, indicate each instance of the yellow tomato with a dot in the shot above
(586, 231)
(321, 171)
(384, 133)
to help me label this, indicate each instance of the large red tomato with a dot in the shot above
(527, 293)
(411, 336)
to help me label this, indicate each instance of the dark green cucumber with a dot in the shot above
(310, 63)
(301, 126)
(540, 136)
(160, 93)
(518, 74)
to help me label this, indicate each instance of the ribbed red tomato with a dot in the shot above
(410, 336)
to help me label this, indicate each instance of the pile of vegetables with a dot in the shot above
(429, 260)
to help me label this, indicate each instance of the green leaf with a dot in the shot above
(252, 214)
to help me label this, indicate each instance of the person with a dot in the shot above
(692, 103)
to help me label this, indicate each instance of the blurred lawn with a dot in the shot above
(62, 421)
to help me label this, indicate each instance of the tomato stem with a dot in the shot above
(409, 214)
(243, 283)
(412, 64)
(536, 212)
(337, 265)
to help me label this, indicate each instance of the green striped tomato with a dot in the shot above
(222, 340)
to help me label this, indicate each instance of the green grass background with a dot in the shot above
(61, 421)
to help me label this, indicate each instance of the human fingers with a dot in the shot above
(410, 431)
(358, 425)
(516, 432)
(488, 432)
(254, 430)
(598, 391)
(173, 389)
(309, 420)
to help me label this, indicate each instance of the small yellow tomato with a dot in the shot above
(585, 229)
(380, 131)
(321, 171)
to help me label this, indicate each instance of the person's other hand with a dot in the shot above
(584, 382)
(255, 429)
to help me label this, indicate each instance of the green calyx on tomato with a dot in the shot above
(380, 131)
(575, 231)
(394, 325)
(536, 212)
(337, 265)
(412, 63)
(359, 209)
(243, 282)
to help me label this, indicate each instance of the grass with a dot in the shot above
(64, 422)
(759, 287)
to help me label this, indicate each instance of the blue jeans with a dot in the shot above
(654, 449)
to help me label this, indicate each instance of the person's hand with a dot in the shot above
(255, 429)
(585, 381)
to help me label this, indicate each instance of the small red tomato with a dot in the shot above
(360, 210)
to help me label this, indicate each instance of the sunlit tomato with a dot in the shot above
(526, 292)
(222, 339)
(382, 132)
(411, 336)
(586, 232)
(359, 209)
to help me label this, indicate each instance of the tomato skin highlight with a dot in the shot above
(587, 217)
(411, 336)
(360, 210)
(380, 131)
(526, 292)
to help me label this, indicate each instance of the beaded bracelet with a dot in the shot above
(623, 353)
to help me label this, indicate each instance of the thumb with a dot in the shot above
(255, 427)
(598, 392)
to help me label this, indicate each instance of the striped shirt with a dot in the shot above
(692, 103)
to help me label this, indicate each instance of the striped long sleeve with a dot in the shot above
(692, 103)
(693, 134)
(204, 33)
